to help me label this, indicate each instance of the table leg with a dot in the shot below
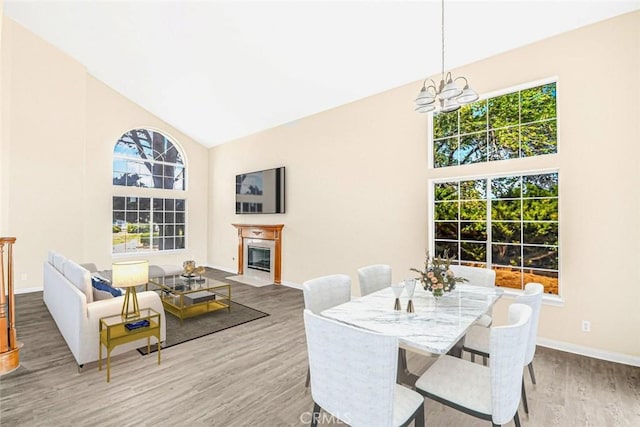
(158, 344)
(456, 350)
(99, 356)
(108, 364)
(404, 375)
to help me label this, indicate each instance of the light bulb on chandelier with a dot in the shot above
(446, 96)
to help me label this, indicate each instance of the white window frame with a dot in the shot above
(549, 163)
(151, 193)
(524, 86)
(152, 223)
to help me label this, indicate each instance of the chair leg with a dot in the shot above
(533, 376)
(315, 415)
(418, 421)
(473, 357)
(516, 419)
(524, 397)
(306, 383)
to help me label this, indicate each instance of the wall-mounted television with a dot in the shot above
(260, 192)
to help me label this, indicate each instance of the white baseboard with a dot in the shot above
(227, 269)
(27, 290)
(590, 352)
(291, 285)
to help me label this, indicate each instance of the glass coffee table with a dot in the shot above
(186, 297)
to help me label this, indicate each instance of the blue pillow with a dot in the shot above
(103, 285)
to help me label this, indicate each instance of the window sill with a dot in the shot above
(547, 299)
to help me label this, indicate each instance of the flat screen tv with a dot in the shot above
(260, 192)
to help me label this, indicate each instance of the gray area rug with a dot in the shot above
(205, 324)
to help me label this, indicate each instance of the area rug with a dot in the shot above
(205, 324)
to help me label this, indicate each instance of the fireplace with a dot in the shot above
(259, 254)
(259, 258)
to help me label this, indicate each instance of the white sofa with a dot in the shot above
(68, 295)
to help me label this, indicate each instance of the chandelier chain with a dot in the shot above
(446, 96)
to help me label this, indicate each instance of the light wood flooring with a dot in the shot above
(253, 375)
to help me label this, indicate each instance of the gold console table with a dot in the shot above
(113, 332)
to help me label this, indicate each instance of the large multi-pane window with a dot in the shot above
(144, 162)
(504, 221)
(508, 223)
(510, 126)
(142, 224)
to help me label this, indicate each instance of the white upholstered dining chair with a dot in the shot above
(325, 292)
(353, 376)
(480, 277)
(490, 393)
(373, 278)
(477, 340)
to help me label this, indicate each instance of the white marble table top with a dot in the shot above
(434, 327)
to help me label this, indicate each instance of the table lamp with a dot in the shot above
(128, 275)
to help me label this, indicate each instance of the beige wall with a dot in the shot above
(357, 182)
(355, 189)
(61, 127)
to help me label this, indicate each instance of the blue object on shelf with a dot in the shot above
(137, 325)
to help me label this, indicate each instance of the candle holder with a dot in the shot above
(397, 291)
(410, 286)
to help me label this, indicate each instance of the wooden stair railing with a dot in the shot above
(9, 345)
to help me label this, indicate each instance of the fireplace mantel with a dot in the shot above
(264, 232)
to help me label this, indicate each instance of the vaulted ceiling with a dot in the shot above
(220, 70)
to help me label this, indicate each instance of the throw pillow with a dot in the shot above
(100, 295)
(102, 286)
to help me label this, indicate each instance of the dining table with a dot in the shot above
(435, 327)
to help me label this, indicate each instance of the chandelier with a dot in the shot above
(447, 96)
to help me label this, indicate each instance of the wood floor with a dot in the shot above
(253, 375)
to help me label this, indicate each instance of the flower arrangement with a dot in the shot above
(436, 277)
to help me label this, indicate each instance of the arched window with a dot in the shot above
(145, 158)
(148, 160)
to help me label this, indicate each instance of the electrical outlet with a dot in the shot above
(23, 277)
(586, 326)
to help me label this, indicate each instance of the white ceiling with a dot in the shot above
(220, 70)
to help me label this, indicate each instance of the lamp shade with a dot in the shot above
(450, 90)
(425, 98)
(425, 108)
(130, 273)
(449, 105)
(468, 95)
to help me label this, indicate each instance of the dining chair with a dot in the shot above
(353, 376)
(373, 278)
(480, 277)
(488, 392)
(323, 293)
(477, 340)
